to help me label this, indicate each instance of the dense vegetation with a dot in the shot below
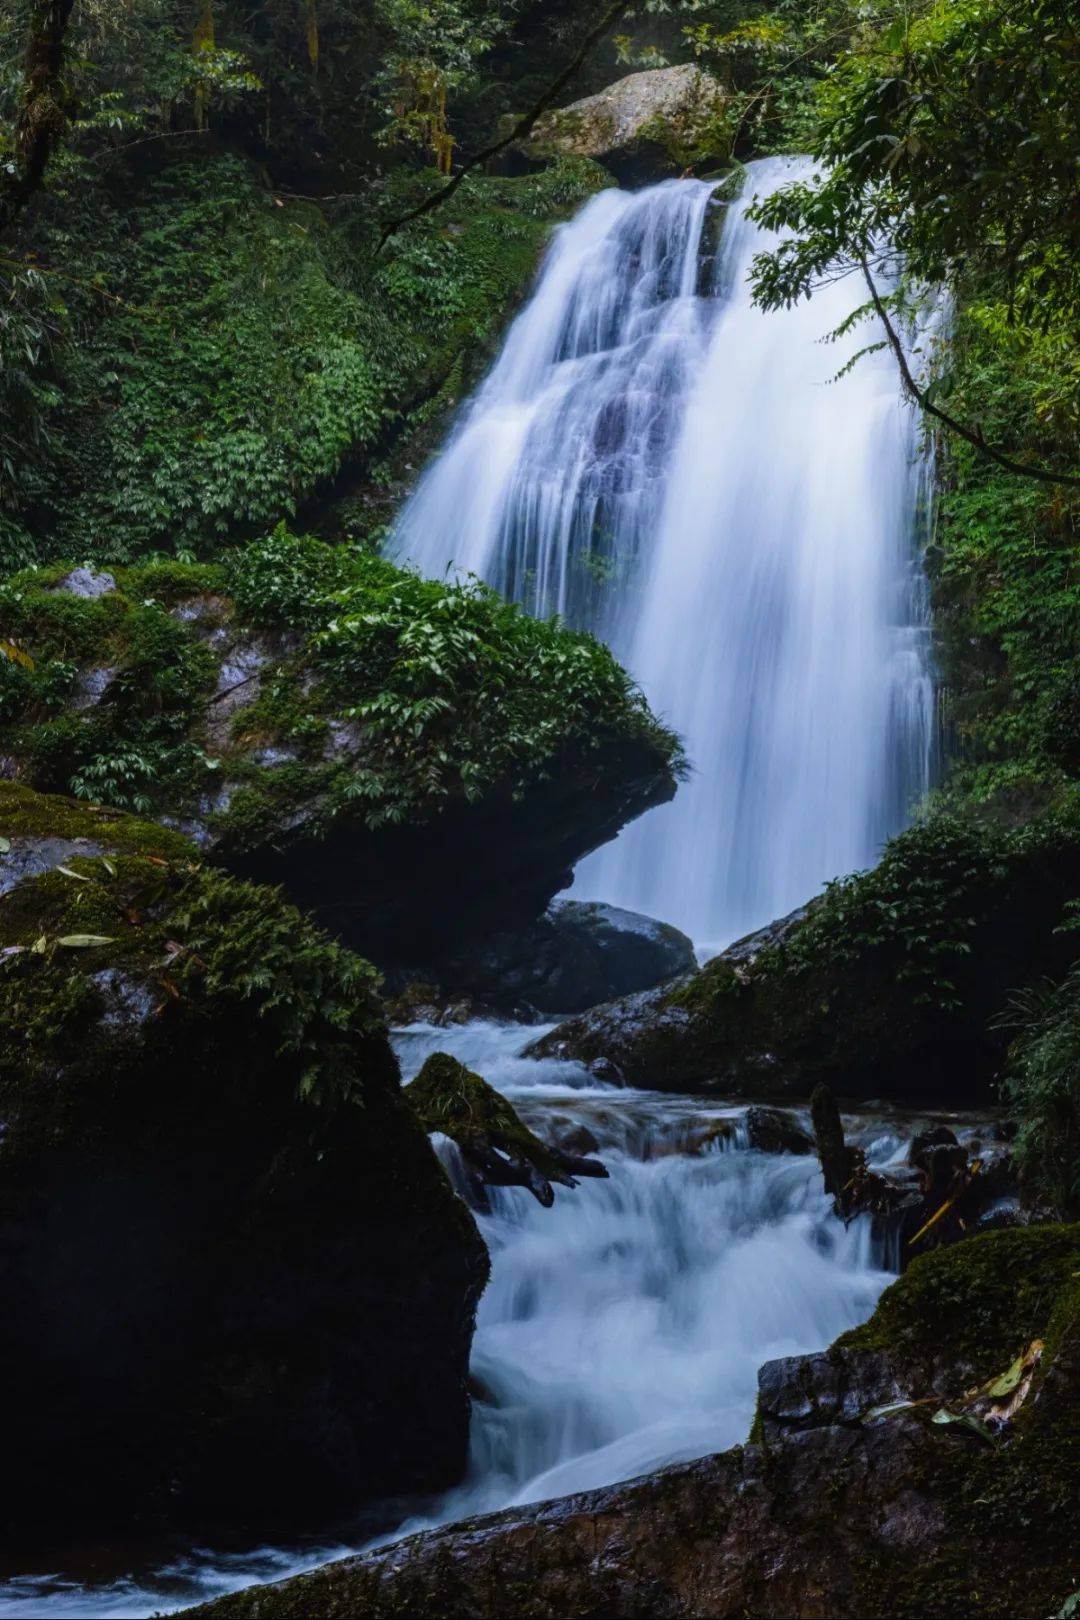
(364, 689)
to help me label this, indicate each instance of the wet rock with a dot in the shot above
(645, 126)
(831, 1511)
(30, 856)
(86, 583)
(772, 1130)
(238, 683)
(577, 954)
(602, 1068)
(814, 1392)
(580, 1142)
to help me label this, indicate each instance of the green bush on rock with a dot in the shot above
(296, 693)
(889, 984)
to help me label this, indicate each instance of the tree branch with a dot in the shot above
(520, 130)
(973, 436)
(41, 118)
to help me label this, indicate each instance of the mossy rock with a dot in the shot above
(645, 126)
(497, 1145)
(211, 1191)
(395, 750)
(891, 984)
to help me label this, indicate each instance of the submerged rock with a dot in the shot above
(887, 986)
(237, 1286)
(642, 127)
(835, 1510)
(772, 1130)
(409, 758)
(577, 954)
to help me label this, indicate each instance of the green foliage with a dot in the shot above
(207, 948)
(129, 746)
(951, 135)
(1043, 1089)
(239, 351)
(923, 902)
(439, 692)
(1006, 591)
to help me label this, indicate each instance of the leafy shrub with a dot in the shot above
(1043, 1089)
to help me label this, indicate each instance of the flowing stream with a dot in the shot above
(622, 1329)
(689, 477)
(665, 465)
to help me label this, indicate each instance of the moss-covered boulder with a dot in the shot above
(643, 127)
(237, 1285)
(498, 1148)
(890, 984)
(865, 1491)
(404, 755)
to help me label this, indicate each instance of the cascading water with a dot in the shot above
(623, 1328)
(666, 465)
(660, 462)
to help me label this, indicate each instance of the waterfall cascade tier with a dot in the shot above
(689, 477)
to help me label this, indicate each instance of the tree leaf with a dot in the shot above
(5, 845)
(79, 876)
(80, 941)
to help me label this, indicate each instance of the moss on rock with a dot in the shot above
(210, 1190)
(300, 691)
(888, 984)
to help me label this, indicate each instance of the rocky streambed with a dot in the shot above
(621, 1333)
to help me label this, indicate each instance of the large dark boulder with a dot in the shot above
(579, 953)
(409, 758)
(926, 1465)
(891, 984)
(237, 1286)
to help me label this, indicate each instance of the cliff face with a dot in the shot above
(900, 1473)
(239, 1289)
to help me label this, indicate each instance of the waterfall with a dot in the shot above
(689, 477)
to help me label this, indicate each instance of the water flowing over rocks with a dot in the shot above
(863, 1493)
(655, 459)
